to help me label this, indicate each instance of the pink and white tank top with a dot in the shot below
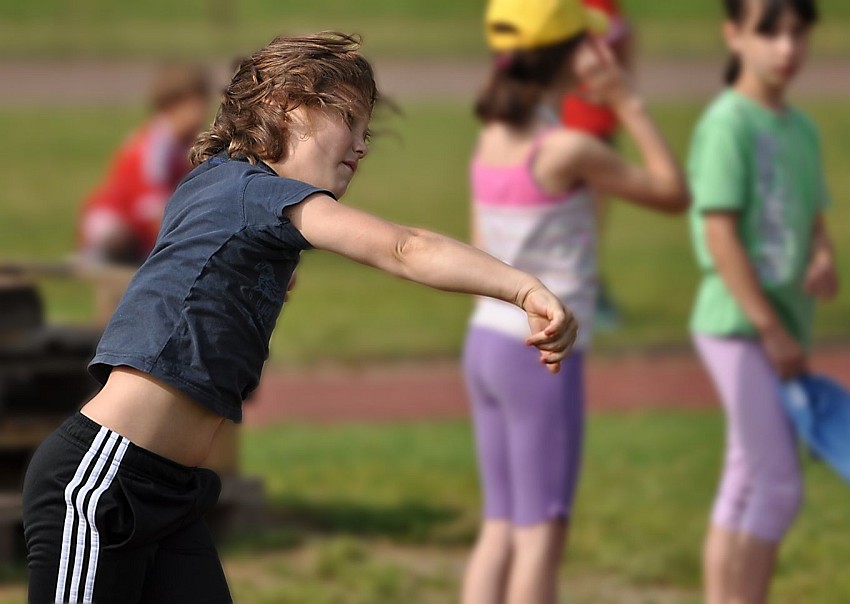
(550, 236)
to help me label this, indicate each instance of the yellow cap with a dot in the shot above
(528, 24)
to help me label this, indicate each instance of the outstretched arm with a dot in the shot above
(439, 262)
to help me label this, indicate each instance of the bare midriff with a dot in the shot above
(154, 416)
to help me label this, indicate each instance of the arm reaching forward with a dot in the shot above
(439, 262)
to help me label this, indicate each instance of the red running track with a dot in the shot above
(434, 390)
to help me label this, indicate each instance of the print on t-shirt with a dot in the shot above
(774, 257)
(267, 294)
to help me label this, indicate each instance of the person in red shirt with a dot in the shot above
(120, 219)
(581, 113)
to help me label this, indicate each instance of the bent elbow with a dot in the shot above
(681, 201)
(407, 246)
(676, 200)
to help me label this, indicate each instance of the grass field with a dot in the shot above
(352, 493)
(378, 514)
(412, 28)
(382, 514)
(416, 174)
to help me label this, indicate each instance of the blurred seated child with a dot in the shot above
(120, 219)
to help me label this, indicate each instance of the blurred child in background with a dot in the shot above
(581, 113)
(120, 220)
(757, 223)
(533, 208)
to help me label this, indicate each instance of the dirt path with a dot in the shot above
(432, 390)
(98, 82)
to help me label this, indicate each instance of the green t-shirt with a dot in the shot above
(766, 167)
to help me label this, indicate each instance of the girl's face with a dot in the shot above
(773, 57)
(324, 148)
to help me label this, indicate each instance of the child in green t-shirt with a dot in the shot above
(756, 176)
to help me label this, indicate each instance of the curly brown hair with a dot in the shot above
(324, 71)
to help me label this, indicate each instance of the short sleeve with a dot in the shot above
(718, 167)
(266, 195)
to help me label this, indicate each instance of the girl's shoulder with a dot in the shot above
(567, 143)
(498, 147)
(725, 120)
(564, 135)
(565, 156)
(726, 110)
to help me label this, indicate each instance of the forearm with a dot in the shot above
(739, 276)
(657, 157)
(821, 241)
(406, 252)
(443, 263)
(821, 279)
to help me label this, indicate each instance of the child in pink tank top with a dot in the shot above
(532, 209)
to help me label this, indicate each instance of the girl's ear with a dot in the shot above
(301, 124)
(732, 36)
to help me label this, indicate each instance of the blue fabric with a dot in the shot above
(199, 313)
(819, 408)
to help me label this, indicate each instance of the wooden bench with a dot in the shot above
(10, 525)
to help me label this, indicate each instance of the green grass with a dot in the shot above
(416, 174)
(413, 28)
(387, 513)
(349, 493)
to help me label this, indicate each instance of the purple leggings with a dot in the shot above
(528, 428)
(761, 489)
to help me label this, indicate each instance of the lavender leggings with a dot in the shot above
(528, 427)
(761, 489)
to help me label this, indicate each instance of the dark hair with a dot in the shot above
(518, 80)
(324, 71)
(737, 11)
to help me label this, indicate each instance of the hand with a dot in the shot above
(821, 278)
(553, 327)
(784, 352)
(601, 78)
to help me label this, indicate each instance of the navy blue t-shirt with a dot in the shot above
(200, 311)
